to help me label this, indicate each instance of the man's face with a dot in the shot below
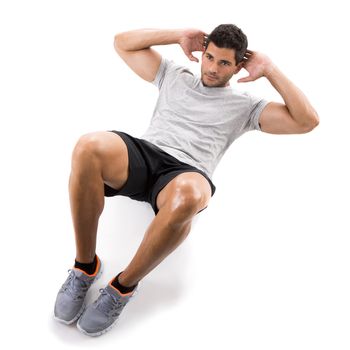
(218, 66)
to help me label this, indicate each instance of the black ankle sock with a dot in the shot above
(121, 288)
(89, 268)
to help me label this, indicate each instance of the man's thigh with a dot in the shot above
(136, 185)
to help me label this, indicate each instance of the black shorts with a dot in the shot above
(150, 169)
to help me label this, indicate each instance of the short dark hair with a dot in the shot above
(231, 37)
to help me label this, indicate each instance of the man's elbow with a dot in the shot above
(118, 42)
(311, 124)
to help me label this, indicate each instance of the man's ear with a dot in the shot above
(239, 67)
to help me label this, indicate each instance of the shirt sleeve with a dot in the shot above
(167, 69)
(256, 107)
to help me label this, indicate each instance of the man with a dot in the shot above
(195, 120)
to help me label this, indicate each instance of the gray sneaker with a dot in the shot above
(102, 314)
(70, 300)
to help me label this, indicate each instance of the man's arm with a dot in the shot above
(134, 47)
(296, 115)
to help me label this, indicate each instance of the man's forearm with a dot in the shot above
(144, 38)
(298, 105)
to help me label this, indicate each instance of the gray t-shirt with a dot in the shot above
(196, 124)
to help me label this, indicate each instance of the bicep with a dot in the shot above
(145, 63)
(276, 119)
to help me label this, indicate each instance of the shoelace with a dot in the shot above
(76, 287)
(108, 304)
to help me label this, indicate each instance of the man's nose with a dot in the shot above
(213, 68)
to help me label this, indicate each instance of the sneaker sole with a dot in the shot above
(82, 309)
(112, 325)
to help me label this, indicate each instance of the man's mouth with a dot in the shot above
(211, 77)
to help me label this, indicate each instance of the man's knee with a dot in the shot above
(184, 203)
(107, 152)
(100, 146)
(88, 145)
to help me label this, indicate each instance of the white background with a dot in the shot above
(266, 265)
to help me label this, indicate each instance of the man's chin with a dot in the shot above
(208, 83)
